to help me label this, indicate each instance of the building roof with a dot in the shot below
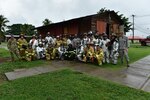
(98, 15)
(7, 36)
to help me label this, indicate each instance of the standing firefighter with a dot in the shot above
(22, 45)
(48, 39)
(123, 48)
(13, 49)
(33, 42)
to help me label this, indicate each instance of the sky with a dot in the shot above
(35, 11)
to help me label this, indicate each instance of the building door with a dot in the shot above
(101, 27)
(108, 29)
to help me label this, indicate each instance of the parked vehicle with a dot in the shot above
(146, 41)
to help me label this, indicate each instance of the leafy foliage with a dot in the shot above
(17, 29)
(126, 23)
(3, 22)
(3, 25)
(46, 22)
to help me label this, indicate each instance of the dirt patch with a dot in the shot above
(2, 60)
(2, 76)
(2, 79)
(90, 69)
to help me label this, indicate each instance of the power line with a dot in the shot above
(140, 27)
(143, 31)
(144, 23)
(148, 15)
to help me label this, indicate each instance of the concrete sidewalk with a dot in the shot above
(136, 76)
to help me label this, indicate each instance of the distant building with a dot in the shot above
(135, 38)
(108, 22)
(17, 37)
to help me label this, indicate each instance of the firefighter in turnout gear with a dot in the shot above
(13, 49)
(64, 40)
(88, 53)
(61, 51)
(22, 46)
(40, 51)
(105, 45)
(98, 55)
(48, 39)
(84, 40)
(30, 53)
(70, 53)
(58, 42)
(50, 52)
(33, 42)
(114, 49)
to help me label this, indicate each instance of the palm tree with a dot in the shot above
(46, 22)
(3, 25)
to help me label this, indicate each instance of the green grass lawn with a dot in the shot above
(67, 85)
(137, 52)
(4, 53)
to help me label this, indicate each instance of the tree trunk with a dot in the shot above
(1, 36)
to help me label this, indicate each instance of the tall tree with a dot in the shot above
(46, 22)
(3, 22)
(27, 29)
(14, 29)
(126, 23)
(125, 20)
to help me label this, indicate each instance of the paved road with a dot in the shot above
(136, 76)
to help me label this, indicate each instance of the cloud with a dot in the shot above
(35, 11)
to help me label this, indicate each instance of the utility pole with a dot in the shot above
(133, 29)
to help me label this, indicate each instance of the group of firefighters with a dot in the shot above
(93, 48)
